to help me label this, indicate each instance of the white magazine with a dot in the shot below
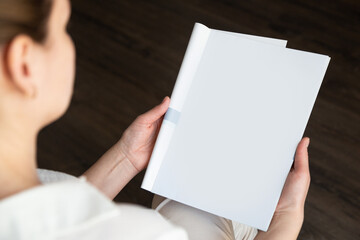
(239, 108)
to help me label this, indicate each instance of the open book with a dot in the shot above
(239, 108)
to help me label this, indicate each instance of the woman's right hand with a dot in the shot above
(289, 213)
(297, 182)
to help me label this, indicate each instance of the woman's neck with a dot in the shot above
(17, 159)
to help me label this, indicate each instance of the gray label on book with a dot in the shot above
(172, 115)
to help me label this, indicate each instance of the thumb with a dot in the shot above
(301, 157)
(155, 113)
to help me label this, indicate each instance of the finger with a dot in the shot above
(301, 158)
(155, 113)
(159, 123)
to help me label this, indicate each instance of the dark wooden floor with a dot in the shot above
(128, 56)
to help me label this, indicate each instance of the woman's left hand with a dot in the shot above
(130, 154)
(138, 140)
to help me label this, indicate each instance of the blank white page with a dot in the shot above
(195, 48)
(244, 114)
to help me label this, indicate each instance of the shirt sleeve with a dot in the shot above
(130, 222)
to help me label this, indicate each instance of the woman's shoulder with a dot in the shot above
(71, 208)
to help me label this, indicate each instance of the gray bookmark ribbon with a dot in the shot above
(172, 115)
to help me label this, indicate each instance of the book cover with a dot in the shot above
(239, 107)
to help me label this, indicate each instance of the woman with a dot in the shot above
(36, 81)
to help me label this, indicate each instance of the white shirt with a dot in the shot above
(73, 209)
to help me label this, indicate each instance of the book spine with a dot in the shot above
(189, 65)
(192, 58)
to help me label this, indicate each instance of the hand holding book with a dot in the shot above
(139, 138)
(130, 154)
(289, 214)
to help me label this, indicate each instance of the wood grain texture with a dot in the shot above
(128, 56)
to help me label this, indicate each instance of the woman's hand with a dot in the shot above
(289, 213)
(129, 155)
(139, 138)
(297, 182)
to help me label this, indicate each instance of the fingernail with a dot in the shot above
(163, 100)
(308, 143)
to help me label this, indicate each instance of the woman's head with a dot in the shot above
(37, 60)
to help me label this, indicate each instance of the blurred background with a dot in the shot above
(128, 57)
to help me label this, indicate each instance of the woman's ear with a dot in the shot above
(18, 65)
